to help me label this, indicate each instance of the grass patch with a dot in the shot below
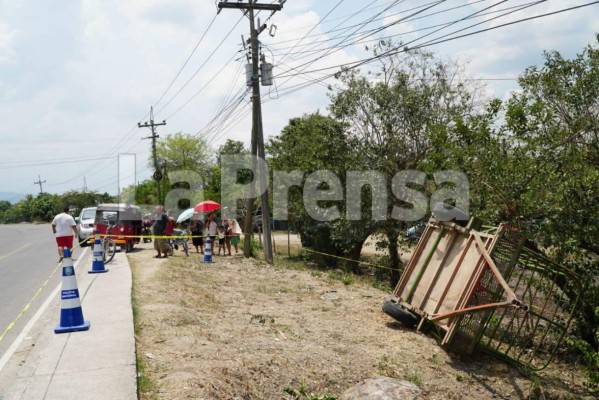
(414, 378)
(146, 387)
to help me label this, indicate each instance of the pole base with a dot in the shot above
(97, 271)
(67, 329)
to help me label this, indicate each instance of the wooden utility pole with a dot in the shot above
(152, 125)
(257, 132)
(39, 182)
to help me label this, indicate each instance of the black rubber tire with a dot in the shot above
(400, 314)
(128, 247)
(82, 243)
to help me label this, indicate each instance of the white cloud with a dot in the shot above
(94, 68)
(7, 36)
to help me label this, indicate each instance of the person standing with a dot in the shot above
(158, 228)
(211, 228)
(196, 234)
(235, 232)
(62, 225)
(221, 240)
(226, 226)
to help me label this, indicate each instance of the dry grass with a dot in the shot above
(237, 329)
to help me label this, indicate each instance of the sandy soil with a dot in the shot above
(239, 329)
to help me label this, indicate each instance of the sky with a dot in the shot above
(77, 76)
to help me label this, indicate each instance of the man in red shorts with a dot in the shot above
(62, 225)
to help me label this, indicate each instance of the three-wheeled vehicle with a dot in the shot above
(122, 222)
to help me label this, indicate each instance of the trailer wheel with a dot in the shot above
(400, 314)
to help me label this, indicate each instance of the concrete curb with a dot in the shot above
(96, 364)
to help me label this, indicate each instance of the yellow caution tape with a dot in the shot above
(24, 310)
(349, 259)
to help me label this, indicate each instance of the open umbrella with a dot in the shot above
(206, 206)
(185, 215)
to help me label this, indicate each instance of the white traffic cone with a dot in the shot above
(71, 313)
(98, 266)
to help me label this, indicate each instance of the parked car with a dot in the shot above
(413, 233)
(85, 224)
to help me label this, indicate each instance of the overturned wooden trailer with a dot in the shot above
(484, 288)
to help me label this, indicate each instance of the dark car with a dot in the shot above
(414, 233)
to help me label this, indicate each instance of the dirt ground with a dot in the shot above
(240, 329)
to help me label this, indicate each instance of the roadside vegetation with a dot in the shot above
(532, 161)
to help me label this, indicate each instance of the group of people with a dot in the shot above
(227, 233)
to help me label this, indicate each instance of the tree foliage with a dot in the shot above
(318, 143)
(393, 113)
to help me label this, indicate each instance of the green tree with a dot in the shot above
(393, 112)
(183, 154)
(556, 117)
(182, 151)
(76, 200)
(316, 143)
(534, 163)
(213, 184)
(44, 207)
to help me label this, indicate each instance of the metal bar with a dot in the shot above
(248, 6)
(504, 312)
(425, 265)
(494, 269)
(547, 296)
(482, 307)
(548, 328)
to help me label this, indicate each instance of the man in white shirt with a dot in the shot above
(64, 227)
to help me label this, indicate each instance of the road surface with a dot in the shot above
(28, 256)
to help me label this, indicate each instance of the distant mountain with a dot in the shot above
(11, 196)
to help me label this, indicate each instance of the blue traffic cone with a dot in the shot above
(71, 314)
(207, 251)
(98, 266)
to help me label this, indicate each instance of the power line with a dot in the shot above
(201, 66)
(186, 61)
(442, 39)
(405, 46)
(203, 86)
(314, 27)
(27, 164)
(361, 41)
(336, 47)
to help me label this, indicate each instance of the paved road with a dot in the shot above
(27, 258)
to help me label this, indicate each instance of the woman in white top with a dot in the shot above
(211, 229)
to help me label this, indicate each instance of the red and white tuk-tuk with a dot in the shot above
(122, 222)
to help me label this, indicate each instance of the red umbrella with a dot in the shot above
(206, 206)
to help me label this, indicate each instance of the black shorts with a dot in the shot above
(221, 241)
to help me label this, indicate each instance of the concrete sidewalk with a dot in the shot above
(95, 364)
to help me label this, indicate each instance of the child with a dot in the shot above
(234, 231)
(221, 240)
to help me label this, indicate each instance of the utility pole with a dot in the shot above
(257, 132)
(152, 125)
(39, 182)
